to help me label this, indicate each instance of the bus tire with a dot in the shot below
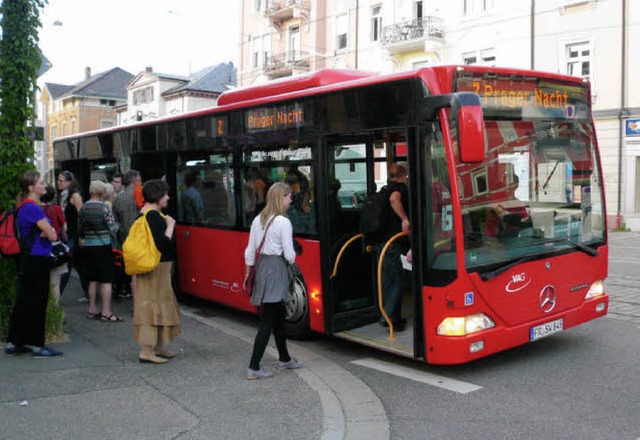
(297, 322)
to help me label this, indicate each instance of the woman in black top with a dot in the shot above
(156, 318)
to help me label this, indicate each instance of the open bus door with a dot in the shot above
(356, 167)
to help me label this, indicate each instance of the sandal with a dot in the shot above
(90, 315)
(111, 318)
(166, 354)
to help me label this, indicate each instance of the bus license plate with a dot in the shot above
(546, 329)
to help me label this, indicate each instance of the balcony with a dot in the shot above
(287, 64)
(425, 33)
(280, 10)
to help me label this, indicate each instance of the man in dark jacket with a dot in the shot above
(395, 280)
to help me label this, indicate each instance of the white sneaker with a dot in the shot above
(292, 364)
(258, 374)
(82, 299)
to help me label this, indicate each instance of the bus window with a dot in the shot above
(351, 173)
(291, 165)
(440, 267)
(205, 191)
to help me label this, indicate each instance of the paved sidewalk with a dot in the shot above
(98, 389)
(624, 276)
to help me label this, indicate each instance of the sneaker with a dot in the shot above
(83, 299)
(11, 349)
(292, 364)
(45, 352)
(258, 374)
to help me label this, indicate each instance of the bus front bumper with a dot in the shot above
(449, 350)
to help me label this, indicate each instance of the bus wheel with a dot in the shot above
(297, 324)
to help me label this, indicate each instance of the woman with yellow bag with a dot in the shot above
(156, 318)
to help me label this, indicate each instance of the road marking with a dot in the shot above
(419, 376)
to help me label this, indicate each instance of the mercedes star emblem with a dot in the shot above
(548, 298)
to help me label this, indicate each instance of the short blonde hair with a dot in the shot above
(97, 188)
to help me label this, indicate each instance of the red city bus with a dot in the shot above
(506, 200)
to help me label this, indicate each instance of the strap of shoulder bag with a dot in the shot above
(259, 248)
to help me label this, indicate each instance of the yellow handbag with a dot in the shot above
(139, 251)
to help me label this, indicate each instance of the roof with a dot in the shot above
(213, 79)
(109, 84)
(57, 90)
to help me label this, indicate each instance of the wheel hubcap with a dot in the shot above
(297, 305)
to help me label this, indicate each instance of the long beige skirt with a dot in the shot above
(156, 317)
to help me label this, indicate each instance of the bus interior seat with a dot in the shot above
(543, 221)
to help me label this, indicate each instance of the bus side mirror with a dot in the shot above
(466, 107)
(471, 133)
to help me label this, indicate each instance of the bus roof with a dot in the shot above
(292, 84)
(325, 80)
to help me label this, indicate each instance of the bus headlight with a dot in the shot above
(464, 325)
(596, 289)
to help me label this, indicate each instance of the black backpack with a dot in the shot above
(375, 213)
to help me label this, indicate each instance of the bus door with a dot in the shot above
(357, 166)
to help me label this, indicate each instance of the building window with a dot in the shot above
(266, 48)
(476, 7)
(54, 132)
(143, 96)
(341, 32)
(480, 185)
(376, 23)
(579, 59)
(294, 44)
(488, 57)
(469, 58)
(418, 10)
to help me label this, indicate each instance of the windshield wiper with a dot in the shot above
(581, 247)
(494, 273)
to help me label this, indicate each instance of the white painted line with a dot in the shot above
(435, 380)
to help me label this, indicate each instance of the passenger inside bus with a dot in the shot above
(191, 200)
(255, 190)
(216, 199)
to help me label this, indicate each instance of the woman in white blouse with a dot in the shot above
(271, 287)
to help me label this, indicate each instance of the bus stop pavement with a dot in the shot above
(98, 389)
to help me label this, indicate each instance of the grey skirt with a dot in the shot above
(272, 280)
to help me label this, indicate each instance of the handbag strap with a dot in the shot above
(259, 248)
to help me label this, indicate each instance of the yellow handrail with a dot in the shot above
(380, 304)
(344, 247)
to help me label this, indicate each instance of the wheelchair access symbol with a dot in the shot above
(468, 299)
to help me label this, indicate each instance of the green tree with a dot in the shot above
(19, 63)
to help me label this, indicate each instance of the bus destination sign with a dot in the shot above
(530, 97)
(274, 118)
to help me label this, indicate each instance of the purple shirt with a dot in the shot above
(28, 215)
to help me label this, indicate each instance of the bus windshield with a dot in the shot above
(539, 191)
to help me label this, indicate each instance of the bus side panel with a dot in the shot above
(212, 268)
(211, 265)
(309, 263)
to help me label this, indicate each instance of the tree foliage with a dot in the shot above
(19, 63)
